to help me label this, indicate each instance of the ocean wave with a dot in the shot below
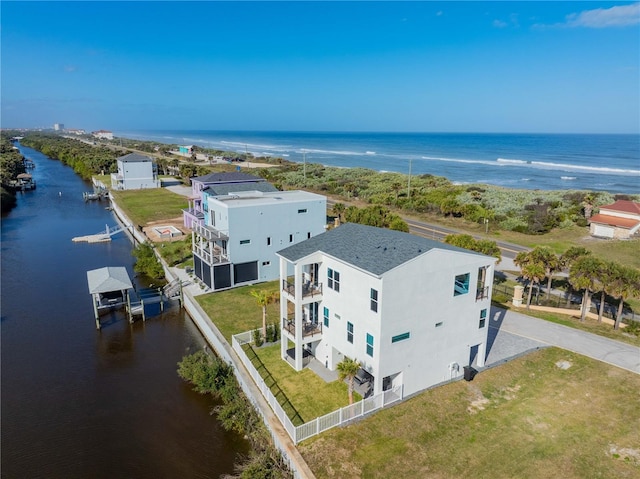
(457, 160)
(565, 166)
(568, 178)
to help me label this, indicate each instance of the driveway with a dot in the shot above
(513, 332)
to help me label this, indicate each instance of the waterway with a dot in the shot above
(77, 402)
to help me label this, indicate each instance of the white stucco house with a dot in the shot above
(103, 134)
(242, 231)
(135, 172)
(412, 311)
(620, 220)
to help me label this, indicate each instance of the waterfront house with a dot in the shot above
(217, 184)
(619, 220)
(243, 230)
(103, 134)
(135, 172)
(412, 311)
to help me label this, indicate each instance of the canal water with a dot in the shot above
(77, 402)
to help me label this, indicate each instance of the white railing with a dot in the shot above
(319, 424)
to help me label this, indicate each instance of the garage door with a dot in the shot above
(603, 231)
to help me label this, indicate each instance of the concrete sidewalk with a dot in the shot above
(618, 354)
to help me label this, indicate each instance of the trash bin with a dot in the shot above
(469, 373)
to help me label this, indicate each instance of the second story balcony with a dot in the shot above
(309, 329)
(308, 289)
(209, 256)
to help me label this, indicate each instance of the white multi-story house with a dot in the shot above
(242, 231)
(135, 172)
(412, 311)
(103, 134)
(217, 184)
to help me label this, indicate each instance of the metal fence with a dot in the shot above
(566, 300)
(322, 423)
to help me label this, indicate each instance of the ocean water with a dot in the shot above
(529, 161)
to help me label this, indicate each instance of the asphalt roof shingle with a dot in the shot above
(224, 177)
(376, 250)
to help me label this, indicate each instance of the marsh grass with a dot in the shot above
(525, 418)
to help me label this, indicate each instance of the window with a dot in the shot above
(483, 319)
(326, 317)
(333, 279)
(309, 235)
(369, 345)
(461, 285)
(290, 238)
(268, 240)
(349, 332)
(374, 300)
(213, 218)
(438, 324)
(304, 210)
(245, 241)
(400, 337)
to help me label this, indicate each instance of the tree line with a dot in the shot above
(588, 275)
(11, 165)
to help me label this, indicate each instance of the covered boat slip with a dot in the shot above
(111, 287)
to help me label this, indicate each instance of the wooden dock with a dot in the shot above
(99, 237)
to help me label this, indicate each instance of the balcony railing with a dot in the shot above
(217, 257)
(209, 233)
(308, 328)
(308, 289)
(482, 293)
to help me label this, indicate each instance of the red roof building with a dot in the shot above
(620, 220)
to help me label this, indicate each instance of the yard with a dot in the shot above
(548, 414)
(150, 205)
(235, 311)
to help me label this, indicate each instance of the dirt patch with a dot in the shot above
(153, 235)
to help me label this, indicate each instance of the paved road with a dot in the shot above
(538, 331)
(438, 233)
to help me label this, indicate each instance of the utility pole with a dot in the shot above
(304, 166)
(409, 182)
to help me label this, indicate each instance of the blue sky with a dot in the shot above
(323, 66)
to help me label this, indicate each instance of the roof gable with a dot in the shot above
(134, 157)
(227, 177)
(376, 250)
(624, 206)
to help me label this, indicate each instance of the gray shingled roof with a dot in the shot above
(226, 188)
(227, 177)
(376, 250)
(134, 157)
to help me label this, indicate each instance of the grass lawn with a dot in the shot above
(309, 394)
(235, 311)
(153, 204)
(526, 418)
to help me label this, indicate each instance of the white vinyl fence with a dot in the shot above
(322, 423)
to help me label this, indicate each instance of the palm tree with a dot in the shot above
(625, 283)
(566, 261)
(549, 260)
(347, 369)
(531, 269)
(603, 283)
(263, 298)
(583, 275)
(338, 209)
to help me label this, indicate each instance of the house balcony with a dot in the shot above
(309, 330)
(209, 233)
(482, 293)
(309, 290)
(195, 216)
(211, 258)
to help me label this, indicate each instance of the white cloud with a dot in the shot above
(499, 24)
(619, 16)
(70, 68)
